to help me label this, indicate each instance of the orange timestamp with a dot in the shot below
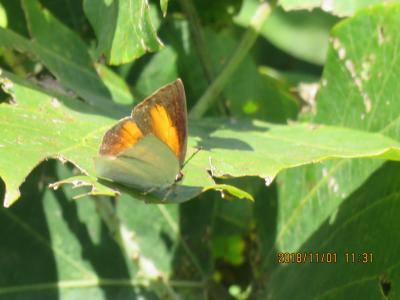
(306, 257)
(323, 257)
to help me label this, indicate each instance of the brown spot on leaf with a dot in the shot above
(381, 35)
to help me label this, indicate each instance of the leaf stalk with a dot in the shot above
(248, 40)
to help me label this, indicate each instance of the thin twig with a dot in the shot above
(201, 45)
(198, 38)
(248, 40)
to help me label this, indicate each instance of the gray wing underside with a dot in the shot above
(149, 164)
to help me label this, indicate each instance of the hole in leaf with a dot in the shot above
(5, 94)
(4, 97)
(385, 285)
(167, 240)
(2, 190)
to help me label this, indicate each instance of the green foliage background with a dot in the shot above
(294, 105)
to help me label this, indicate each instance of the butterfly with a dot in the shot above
(147, 150)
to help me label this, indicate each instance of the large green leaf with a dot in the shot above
(123, 28)
(359, 89)
(66, 56)
(41, 126)
(337, 7)
(63, 52)
(303, 34)
(67, 252)
(363, 234)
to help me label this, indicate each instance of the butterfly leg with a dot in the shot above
(149, 191)
(171, 191)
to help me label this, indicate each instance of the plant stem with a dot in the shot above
(248, 40)
(200, 45)
(198, 38)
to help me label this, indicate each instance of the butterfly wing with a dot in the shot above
(146, 150)
(124, 135)
(149, 164)
(164, 115)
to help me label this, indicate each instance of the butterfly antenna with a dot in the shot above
(190, 158)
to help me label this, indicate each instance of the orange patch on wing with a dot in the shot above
(164, 129)
(122, 136)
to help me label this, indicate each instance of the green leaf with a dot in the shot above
(231, 191)
(160, 70)
(337, 7)
(67, 252)
(367, 222)
(118, 88)
(303, 34)
(216, 14)
(164, 6)
(230, 248)
(71, 14)
(10, 39)
(86, 181)
(42, 126)
(359, 90)
(124, 29)
(193, 259)
(248, 93)
(64, 53)
(3, 16)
